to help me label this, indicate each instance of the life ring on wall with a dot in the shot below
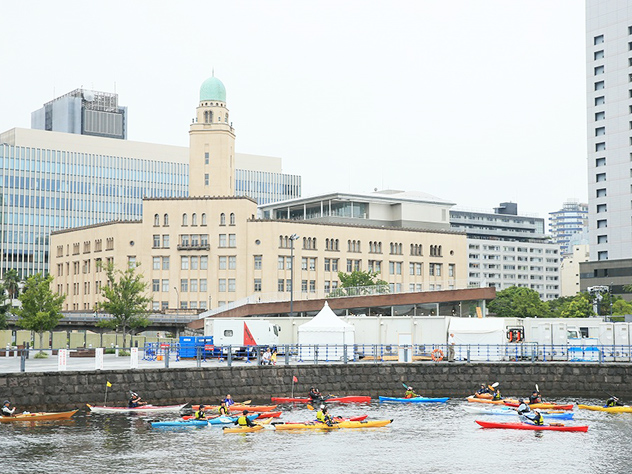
(436, 355)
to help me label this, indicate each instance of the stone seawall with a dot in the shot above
(66, 390)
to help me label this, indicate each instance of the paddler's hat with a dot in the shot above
(245, 412)
(6, 402)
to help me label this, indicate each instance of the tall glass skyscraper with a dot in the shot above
(53, 188)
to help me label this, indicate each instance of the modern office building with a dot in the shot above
(565, 223)
(609, 119)
(84, 112)
(67, 173)
(506, 249)
(210, 250)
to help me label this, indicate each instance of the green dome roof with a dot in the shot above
(213, 89)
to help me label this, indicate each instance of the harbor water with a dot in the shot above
(423, 438)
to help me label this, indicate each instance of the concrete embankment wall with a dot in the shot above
(66, 390)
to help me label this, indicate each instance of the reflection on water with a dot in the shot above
(423, 438)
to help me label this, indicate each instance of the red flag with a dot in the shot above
(294, 379)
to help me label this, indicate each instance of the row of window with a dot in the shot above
(194, 219)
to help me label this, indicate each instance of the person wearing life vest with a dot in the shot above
(497, 395)
(229, 400)
(6, 408)
(135, 400)
(314, 394)
(613, 402)
(323, 416)
(200, 414)
(483, 390)
(535, 397)
(223, 409)
(410, 393)
(243, 420)
(529, 416)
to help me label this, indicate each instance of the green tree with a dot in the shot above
(557, 305)
(12, 283)
(580, 307)
(621, 307)
(41, 308)
(516, 302)
(124, 298)
(5, 304)
(357, 283)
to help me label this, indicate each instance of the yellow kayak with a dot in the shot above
(626, 409)
(335, 426)
(242, 429)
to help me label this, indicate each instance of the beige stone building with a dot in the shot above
(207, 251)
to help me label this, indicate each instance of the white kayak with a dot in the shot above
(140, 409)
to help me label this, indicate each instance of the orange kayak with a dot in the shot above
(473, 399)
(42, 416)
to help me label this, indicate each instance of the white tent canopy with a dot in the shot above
(327, 334)
(487, 335)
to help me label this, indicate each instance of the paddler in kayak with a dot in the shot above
(613, 402)
(323, 416)
(529, 416)
(496, 392)
(535, 398)
(314, 394)
(483, 392)
(135, 400)
(243, 420)
(410, 393)
(6, 408)
(223, 409)
(229, 400)
(200, 414)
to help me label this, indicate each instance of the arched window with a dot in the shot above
(232, 218)
(337, 242)
(326, 244)
(206, 116)
(165, 220)
(400, 249)
(314, 243)
(156, 220)
(285, 242)
(203, 218)
(304, 242)
(185, 220)
(439, 251)
(280, 241)
(222, 219)
(194, 219)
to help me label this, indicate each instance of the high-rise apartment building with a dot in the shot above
(609, 120)
(567, 222)
(506, 249)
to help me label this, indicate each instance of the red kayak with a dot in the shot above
(337, 419)
(266, 414)
(546, 406)
(350, 399)
(527, 426)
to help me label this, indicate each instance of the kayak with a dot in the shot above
(624, 409)
(510, 412)
(550, 406)
(336, 426)
(527, 426)
(141, 409)
(413, 400)
(222, 420)
(243, 429)
(349, 399)
(473, 399)
(179, 424)
(41, 416)
(484, 396)
(240, 408)
(337, 419)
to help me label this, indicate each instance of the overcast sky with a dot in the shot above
(474, 101)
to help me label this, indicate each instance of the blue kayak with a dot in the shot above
(509, 412)
(413, 400)
(229, 420)
(179, 423)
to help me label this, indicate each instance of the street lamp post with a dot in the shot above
(177, 298)
(293, 237)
